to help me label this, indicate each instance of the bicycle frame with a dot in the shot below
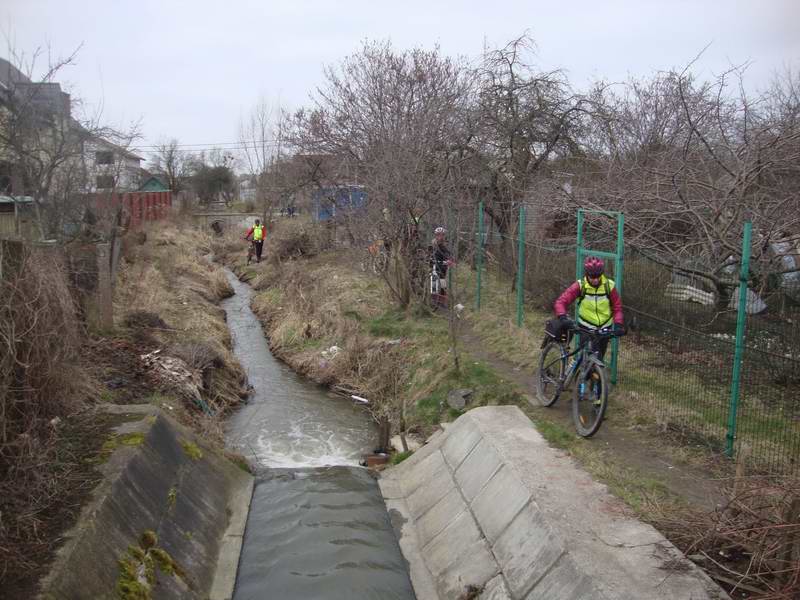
(585, 356)
(435, 285)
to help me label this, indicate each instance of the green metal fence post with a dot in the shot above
(520, 263)
(480, 256)
(579, 246)
(618, 273)
(741, 318)
(454, 250)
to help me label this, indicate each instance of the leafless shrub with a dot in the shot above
(294, 239)
(219, 284)
(751, 544)
(144, 319)
(40, 337)
(40, 334)
(197, 355)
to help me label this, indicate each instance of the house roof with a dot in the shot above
(153, 184)
(9, 74)
(42, 94)
(116, 148)
(16, 199)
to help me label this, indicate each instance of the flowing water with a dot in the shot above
(317, 527)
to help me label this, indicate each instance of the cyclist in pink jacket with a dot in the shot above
(600, 305)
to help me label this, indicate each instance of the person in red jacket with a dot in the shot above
(256, 235)
(600, 305)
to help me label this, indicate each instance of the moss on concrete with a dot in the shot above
(192, 450)
(137, 571)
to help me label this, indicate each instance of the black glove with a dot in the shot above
(619, 330)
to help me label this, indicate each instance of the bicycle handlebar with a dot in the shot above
(605, 332)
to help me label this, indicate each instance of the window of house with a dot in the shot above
(104, 157)
(105, 181)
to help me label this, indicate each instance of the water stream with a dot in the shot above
(317, 527)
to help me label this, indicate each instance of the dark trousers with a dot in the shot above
(259, 244)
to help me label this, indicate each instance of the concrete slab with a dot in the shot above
(499, 502)
(461, 438)
(172, 484)
(231, 547)
(527, 550)
(461, 533)
(477, 469)
(426, 496)
(391, 488)
(547, 528)
(428, 468)
(496, 589)
(474, 567)
(421, 579)
(440, 515)
(565, 581)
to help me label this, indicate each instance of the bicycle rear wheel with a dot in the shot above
(552, 366)
(589, 400)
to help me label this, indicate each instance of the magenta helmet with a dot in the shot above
(593, 266)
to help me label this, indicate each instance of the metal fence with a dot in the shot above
(681, 367)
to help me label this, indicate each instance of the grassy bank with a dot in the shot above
(165, 301)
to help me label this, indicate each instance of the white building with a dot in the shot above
(111, 167)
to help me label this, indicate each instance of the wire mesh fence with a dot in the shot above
(678, 365)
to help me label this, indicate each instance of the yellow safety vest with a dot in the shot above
(258, 232)
(595, 302)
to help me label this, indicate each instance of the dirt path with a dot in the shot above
(635, 449)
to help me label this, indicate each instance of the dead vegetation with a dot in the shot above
(751, 544)
(168, 291)
(41, 384)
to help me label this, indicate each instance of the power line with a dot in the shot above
(212, 145)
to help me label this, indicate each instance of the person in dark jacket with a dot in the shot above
(441, 258)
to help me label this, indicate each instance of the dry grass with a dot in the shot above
(751, 544)
(172, 277)
(41, 385)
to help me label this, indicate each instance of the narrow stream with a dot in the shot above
(317, 527)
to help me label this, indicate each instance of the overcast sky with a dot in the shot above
(190, 69)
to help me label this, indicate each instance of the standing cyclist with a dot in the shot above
(257, 233)
(441, 258)
(599, 304)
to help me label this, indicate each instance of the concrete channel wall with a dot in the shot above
(162, 479)
(486, 509)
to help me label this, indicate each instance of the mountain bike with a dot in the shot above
(558, 368)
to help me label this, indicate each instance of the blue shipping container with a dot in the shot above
(332, 201)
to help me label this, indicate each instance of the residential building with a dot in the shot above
(111, 167)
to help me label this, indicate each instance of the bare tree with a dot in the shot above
(527, 119)
(261, 136)
(172, 163)
(688, 162)
(393, 120)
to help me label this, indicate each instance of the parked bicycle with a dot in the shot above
(558, 368)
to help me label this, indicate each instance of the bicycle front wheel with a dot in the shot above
(589, 400)
(552, 366)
